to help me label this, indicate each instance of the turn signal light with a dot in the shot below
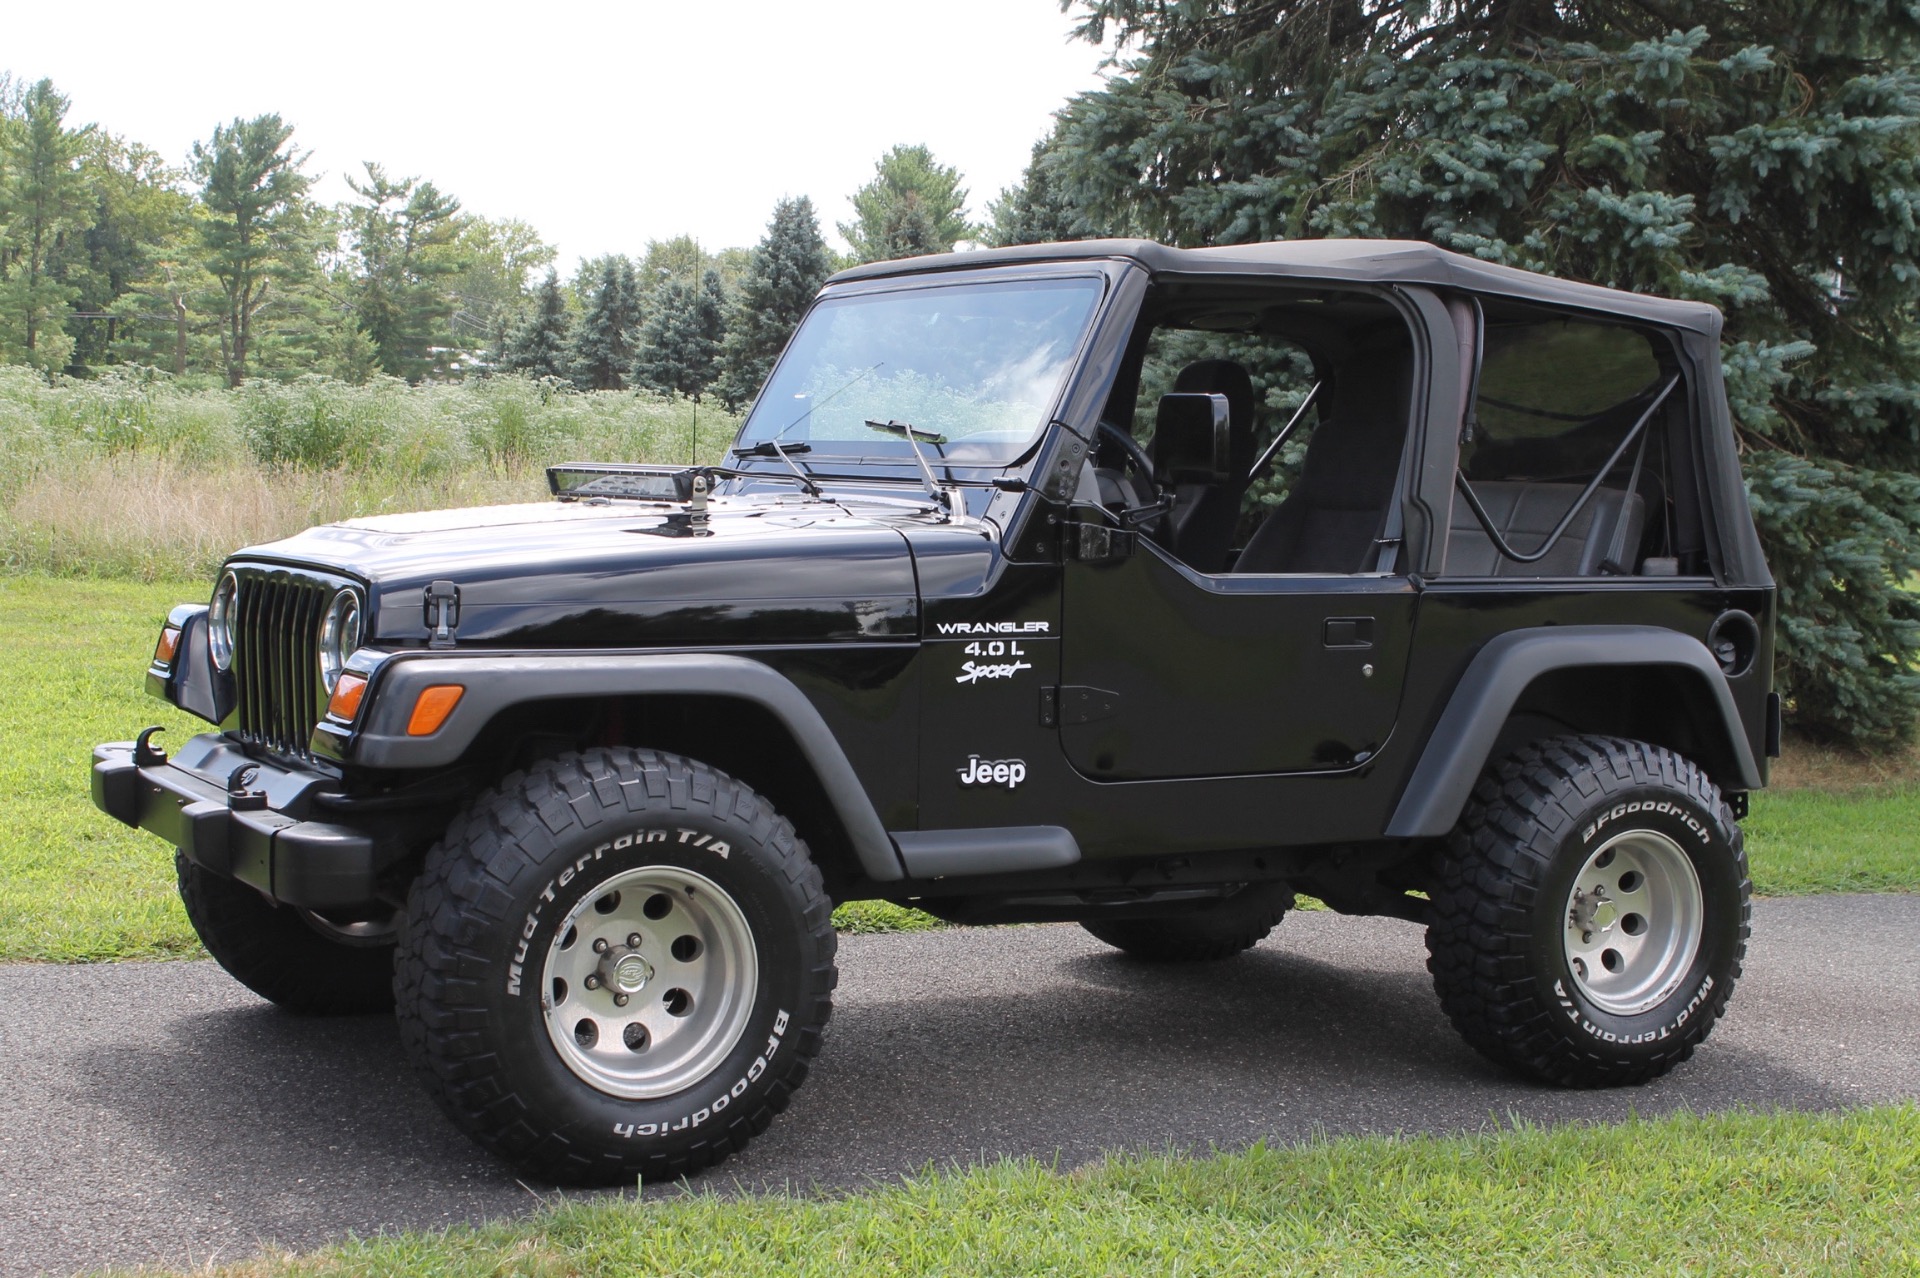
(432, 708)
(345, 702)
(163, 652)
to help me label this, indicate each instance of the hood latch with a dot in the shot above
(442, 601)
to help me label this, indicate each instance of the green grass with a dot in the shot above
(1739, 1193)
(76, 886)
(1858, 840)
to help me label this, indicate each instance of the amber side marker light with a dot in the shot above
(432, 708)
(163, 652)
(345, 702)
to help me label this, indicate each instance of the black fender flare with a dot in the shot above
(1499, 674)
(494, 683)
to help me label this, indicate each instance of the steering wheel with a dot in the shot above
(1136, 455)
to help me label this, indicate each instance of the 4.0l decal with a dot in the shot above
(974, 671)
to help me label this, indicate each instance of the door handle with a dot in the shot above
(1347, 632)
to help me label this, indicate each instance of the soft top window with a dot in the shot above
(1556, 395)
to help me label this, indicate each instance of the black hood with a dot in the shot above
(563, 574)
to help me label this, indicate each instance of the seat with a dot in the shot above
(1332, 517)
(1201, 523)
(1525, 512)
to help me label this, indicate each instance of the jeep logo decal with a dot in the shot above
(1007, 772)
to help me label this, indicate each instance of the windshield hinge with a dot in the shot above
(442, 602)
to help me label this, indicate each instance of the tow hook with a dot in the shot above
(145, 753)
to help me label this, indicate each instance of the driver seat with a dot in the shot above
(1201, 524)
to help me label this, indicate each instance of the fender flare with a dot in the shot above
(496, 683)
(1456, 751)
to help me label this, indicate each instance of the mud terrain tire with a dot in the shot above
(594, 873)
(1590, 912)
(276, 953)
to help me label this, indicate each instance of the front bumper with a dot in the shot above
(185, 800)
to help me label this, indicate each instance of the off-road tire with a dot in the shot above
(486, 912)
(1497, 944)
(1216, 931)
(277, 954)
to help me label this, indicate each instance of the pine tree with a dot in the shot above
(679, 349)
(603, 344)
(1762, 156)
(405, 234)
(538, 345)
(1035, 210)
(913, 205)
(257, 236)
(44, 204)
(788, 266)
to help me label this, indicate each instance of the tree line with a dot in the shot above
(226, 268)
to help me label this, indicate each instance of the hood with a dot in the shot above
(566, 574)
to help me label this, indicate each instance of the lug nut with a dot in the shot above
(619, 1000)
(592, 982)
(633, 941)
(600, 945)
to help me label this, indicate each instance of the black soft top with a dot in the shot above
(1734, 545)
(1354, 261)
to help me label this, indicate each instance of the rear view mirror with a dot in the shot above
(1192, 439)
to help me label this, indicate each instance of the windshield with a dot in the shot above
(976, 365)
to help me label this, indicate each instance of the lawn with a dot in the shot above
(1735, 1193)
(77, 886)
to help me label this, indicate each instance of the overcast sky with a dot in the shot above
(604, 125)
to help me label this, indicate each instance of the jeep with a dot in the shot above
(1107, 583)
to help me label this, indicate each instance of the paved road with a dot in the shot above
(160, 1113)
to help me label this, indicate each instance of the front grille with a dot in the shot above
(276, 657)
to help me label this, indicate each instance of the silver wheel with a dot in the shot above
(1634, 920)
(649, 982)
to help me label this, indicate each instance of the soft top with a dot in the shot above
(1357, 261)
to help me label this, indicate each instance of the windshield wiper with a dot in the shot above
(948, 497)
(774, 448)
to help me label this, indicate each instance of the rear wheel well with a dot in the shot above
(739, 737)
(1661, 705)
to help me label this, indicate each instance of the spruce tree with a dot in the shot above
(680, 342)
(538, 345)
(788, 266)
(914, 204)
(1760, 156)
(603, 344)
(1035, 210)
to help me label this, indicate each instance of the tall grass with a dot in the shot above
(130, 475)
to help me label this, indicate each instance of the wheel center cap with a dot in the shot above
(631, 974)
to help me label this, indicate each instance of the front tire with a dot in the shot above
(618, 963)
(1590, 912)
(1217, 930)
(277, 953)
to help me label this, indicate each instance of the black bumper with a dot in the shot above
(311, 864)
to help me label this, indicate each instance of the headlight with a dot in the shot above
(339, 636)
(220, 621)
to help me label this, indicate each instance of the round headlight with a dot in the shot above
(339, 636)
(226, 597)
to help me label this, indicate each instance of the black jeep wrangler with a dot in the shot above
(1136, 587)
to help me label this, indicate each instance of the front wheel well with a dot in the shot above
(741, 738)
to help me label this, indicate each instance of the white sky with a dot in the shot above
(602, 124)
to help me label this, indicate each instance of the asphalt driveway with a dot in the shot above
(159, 1113)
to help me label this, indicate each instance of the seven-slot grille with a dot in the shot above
(276, 657)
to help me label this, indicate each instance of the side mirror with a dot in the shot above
(1193, 439)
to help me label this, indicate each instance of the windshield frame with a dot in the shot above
(878, 460)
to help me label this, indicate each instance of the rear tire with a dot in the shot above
(1218, 930)
(617, 963)
(275, 952)
(1590, 912)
